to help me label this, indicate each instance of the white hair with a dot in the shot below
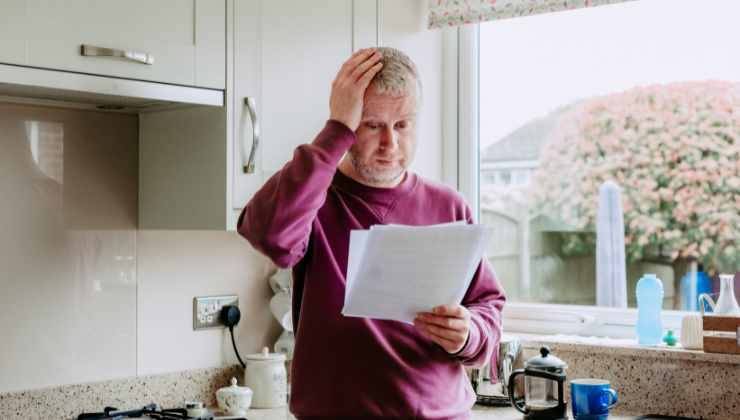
(396, 76)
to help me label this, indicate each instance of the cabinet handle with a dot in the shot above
(248, 167)
(139, 57)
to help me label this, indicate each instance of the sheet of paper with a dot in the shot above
(357, 241)
(395, 272)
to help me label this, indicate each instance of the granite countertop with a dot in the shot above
(510, 413)
(478, 413)
(648, 380)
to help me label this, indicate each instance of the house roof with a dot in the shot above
(524, 143)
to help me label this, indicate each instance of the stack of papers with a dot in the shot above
(395, 271)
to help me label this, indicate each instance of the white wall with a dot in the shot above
(175, 266)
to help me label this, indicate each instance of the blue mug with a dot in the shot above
(591, 398)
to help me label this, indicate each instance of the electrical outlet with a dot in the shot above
(207, 308)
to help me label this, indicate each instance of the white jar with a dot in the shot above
(692, 331)
(234, 400)
(266, 376)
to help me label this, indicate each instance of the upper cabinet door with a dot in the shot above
(186, 39)
(13, 22)
(287, 54)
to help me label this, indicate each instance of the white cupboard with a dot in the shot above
(286, 54)
(12, 29)
(282, 55)
(183, 41)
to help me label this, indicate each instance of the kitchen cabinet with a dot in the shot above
(283, 56)
(185, 40)
(12, 28)
(286, 55)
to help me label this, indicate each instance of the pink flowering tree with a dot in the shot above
(674, 151)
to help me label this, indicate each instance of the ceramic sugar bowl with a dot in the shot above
(234, 400)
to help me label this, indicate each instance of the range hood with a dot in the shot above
(101, 92)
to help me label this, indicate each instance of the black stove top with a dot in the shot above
(151, 411)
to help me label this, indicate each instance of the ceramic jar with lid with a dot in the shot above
(266, 376)
(234, 399)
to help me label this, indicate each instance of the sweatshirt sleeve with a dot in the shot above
(484, 300)
(277, 220)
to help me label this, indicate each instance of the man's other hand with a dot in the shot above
(447, 325)
(348, 88)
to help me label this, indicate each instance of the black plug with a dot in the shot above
(230, 316)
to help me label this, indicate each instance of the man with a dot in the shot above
(352, 176)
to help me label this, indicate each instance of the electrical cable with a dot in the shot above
(231, 331)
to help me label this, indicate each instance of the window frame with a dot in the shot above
(461, 168)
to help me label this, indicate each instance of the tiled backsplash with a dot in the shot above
(85, 295)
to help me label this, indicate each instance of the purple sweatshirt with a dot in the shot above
(358, 367)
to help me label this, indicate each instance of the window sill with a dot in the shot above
(578, 320)
(619, 346)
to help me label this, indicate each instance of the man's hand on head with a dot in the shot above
(446, 325)
(348, 88)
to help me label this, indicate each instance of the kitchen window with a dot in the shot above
(550, 106)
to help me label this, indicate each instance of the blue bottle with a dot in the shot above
(690, 292)
(649, 292)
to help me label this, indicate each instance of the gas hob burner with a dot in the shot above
(151, 411)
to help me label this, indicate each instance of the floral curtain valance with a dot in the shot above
(459, 12)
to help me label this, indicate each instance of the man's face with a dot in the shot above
(386, 138)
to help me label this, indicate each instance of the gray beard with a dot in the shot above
(372, 176)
